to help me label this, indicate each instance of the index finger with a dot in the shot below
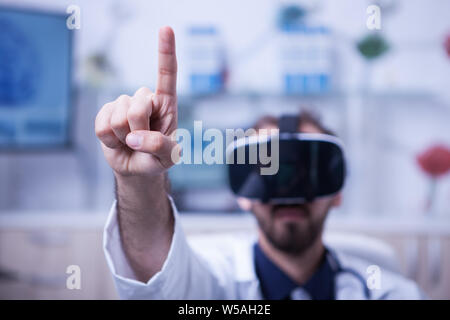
(167, 62)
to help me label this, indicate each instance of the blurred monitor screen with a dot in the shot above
(35, 79)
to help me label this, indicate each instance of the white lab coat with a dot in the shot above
(222, 268)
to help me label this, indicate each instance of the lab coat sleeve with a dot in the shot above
(184, 274)
(404, 289)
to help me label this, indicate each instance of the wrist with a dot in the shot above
(138, 193)
(140, 181)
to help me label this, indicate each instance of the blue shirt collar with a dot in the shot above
(276, 285)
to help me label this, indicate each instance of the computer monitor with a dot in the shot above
(35, 79)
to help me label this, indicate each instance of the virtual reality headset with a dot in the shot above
(310, 165)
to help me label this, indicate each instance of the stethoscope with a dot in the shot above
(339, 269)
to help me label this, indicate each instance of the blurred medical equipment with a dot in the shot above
(207, 65)
(306, 59)
(99, 68)
(305, 50)
(435, 163)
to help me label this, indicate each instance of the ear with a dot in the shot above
(337, 200)
(244, 203)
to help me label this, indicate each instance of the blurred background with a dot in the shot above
(384, 91)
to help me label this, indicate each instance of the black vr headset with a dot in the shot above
(310, 165)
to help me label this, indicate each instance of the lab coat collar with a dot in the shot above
(276, 285)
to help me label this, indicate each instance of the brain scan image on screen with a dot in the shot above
(35, 64)
(19, 65)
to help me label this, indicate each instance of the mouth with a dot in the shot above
(290, 212)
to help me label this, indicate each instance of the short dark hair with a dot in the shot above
(305, 116)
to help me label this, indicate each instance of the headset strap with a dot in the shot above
(288, 123)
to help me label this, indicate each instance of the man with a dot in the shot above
(148, 253)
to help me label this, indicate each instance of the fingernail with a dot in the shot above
(134, 140)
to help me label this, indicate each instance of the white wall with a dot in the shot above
(415, 28)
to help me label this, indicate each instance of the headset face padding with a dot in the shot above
(309, 166)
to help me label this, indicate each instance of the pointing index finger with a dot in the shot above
(167, 62)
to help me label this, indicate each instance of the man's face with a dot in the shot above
(292, 228)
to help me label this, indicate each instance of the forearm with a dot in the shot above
(145, 222)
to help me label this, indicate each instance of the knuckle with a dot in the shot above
(123, 99)
(118, 122)
(101, 128)
(106, 106)
(102, 131)
(136, 113)
(167, 71)
(98, 121)
(142, 90)
(135, 116)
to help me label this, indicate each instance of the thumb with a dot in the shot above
(154, 143)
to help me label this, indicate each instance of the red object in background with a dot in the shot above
(435, 161)
(447, 44)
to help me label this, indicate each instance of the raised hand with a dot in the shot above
(135, 131)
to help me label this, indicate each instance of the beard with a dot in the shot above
(292, 237)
